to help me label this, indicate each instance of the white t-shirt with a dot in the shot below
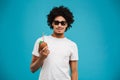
(56, 65)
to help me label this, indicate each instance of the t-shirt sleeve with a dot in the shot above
(74, 52)
(35, 48)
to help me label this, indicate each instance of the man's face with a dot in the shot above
(59, 25)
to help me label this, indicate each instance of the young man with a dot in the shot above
(58, 60)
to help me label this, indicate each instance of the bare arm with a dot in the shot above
(38, 61)
(74, 70)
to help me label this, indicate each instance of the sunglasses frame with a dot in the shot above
(56, 22)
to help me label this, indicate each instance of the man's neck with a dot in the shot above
(58, 35)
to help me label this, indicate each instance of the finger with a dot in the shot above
(48, 51)
(45, 48)
(45, 54)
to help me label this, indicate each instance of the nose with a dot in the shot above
(59, 24)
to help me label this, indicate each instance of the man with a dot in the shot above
(58, 60)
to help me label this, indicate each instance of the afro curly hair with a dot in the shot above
(60, 11)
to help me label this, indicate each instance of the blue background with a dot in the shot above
(96, 30)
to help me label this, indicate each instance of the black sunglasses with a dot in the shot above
(63, 23)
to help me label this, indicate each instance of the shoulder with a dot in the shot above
(71, 42)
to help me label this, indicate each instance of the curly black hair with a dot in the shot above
(60, 11)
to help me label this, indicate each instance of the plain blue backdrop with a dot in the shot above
(96, 31)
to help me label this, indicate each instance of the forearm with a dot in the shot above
(74, 75)
(37, 64)
(38, 61)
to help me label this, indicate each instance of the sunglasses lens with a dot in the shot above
(63, 23)
(56, 22)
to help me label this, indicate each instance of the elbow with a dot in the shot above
(32, 69)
